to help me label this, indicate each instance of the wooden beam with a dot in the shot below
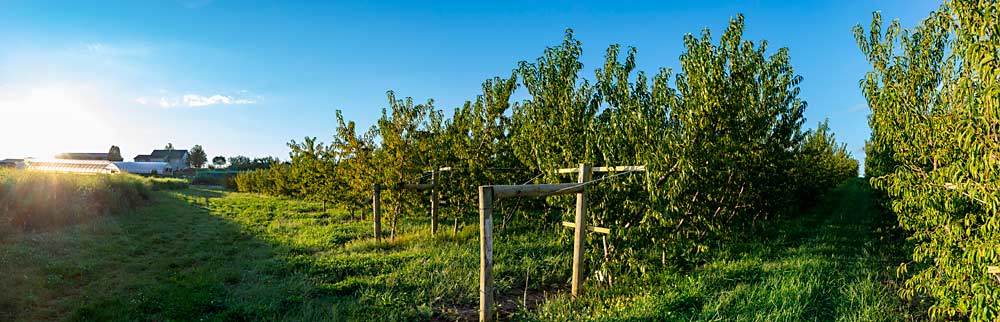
(605, 169)
(486, 194)
(579, 232)
(535, 190)
(599, 230)
(417, 186)
(620, 168)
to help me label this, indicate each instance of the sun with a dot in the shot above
(45, 120)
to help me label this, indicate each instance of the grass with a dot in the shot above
(199, 254)
(33, 200)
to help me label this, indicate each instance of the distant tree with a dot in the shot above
(197, 157)
(115, 154)
(239, 162)
(219, 161)
(169, 147)
(244, 163)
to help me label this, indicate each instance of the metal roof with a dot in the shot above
(143, 167)
(72, 166)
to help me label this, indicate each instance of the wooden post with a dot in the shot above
(434, 202)
(579, 232)
(485, 253)
(377, 211)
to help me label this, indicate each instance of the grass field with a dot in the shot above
(200, 254)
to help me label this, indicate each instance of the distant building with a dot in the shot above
(72, 166)
(86, 156)
(12, 163)
(178, 159)
(144, 168)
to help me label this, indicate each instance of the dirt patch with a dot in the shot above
(506, 305)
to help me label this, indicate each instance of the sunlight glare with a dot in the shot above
(44, 121)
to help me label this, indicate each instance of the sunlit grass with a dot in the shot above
(201, 254)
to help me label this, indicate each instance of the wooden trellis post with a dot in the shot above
(486, 253)
(434, 202)
(488, 194)
(377, 211)
(580, 230)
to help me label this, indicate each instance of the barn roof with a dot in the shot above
(82, 156)
(168, 154)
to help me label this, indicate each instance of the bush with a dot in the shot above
(32, 200)
(169, 183)
(215, 178)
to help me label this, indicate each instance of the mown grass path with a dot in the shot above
(215, 256)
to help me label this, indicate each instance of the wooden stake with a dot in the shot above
(377, 211)
(535, 190)
(434, 203)
(579, 232)
(599, 230)
(485, 253)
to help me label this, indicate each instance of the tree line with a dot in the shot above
(934, 153)
(722, 140)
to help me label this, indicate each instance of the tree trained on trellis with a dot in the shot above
(554, 127)
(312, 170)
(354, 155)
(934, 153)
(733, 132)
(478, 137)
(398, 157)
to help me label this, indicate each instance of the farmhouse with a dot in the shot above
(177, 159)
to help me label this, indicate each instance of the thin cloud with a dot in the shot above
(196, 100)
(193, 100)
(858, 108)
(166, 103)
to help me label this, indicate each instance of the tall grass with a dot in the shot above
(32, 200)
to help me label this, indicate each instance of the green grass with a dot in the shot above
(199, 254)
(32, 200)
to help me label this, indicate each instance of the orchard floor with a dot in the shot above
(209, 255)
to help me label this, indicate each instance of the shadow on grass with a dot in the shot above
(172, 260)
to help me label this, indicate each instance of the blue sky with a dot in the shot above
(245, 77)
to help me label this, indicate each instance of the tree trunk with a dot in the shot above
(395, 218)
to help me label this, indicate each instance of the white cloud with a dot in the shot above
(165, 103)
(195, 100)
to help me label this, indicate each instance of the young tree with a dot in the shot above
(399, 156)
(219, 161)
(197, 157)
(354, 172)
(553, 128)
